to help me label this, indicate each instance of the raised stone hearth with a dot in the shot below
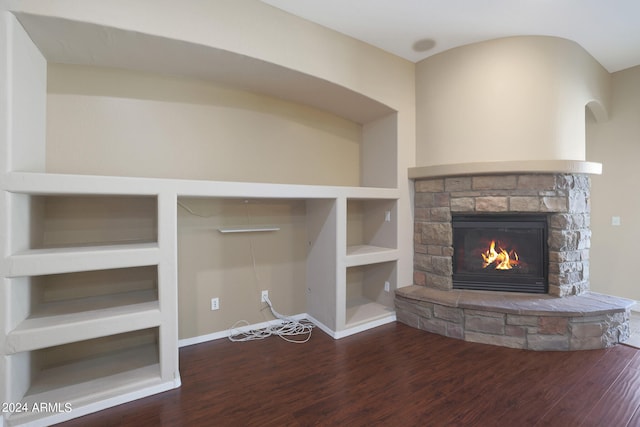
(526, 321)
(570, 317)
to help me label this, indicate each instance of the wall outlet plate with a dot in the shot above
(215, 304)
(264, 296)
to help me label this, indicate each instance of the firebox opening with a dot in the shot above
(500, 252)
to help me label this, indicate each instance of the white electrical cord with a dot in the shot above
(288, 327)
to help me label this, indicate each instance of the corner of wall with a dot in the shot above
(24, 81)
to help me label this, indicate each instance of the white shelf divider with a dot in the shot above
(37, 262)
(93, 303)
(36, 183)
(49, 331)
(367, 254)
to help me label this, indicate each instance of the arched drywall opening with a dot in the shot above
(598, 110)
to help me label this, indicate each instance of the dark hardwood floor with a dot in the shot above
(393, 375)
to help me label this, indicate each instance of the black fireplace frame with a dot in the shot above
(499, 282)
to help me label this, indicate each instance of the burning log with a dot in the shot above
(502, 259)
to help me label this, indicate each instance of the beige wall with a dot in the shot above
(127, 123)
(510, 99)
(236, 267)
(616, 144)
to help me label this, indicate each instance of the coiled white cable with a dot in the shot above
(288, 327)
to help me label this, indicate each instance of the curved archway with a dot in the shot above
(598, 110)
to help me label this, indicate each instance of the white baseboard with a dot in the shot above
(324, 328)
(244, 328)
(333, 334)
(364, 326)
(354, 330)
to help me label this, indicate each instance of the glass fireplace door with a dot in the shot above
(500, 253)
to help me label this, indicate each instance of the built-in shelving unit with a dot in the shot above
(83, 372)
(90, 306)
(369, 262)
(85, 315)
(370, 293)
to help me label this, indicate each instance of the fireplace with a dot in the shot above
(536, 228)
(561, 199)
(500, 253)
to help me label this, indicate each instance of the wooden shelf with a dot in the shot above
(56, 329)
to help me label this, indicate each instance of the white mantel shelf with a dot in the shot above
(520, 166)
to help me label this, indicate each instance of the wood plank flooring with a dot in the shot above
(393, 375)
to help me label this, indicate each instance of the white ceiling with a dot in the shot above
(608, 29)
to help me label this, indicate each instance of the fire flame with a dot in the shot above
(502, 259)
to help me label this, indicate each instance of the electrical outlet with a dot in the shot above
(264, 296)
(387, 286)
(215, 304)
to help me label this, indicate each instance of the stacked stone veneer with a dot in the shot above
(531, 322)
(563, 197)
(570, 317)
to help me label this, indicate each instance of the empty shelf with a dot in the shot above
(105, 379)
(79, 305)
(366, 254)
(362, 310)
(66, 260)
(47, 331)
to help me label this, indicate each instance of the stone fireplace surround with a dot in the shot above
(570, 317)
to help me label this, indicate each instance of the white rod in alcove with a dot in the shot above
(247, 229)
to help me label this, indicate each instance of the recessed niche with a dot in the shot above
(369, 292)
(117, 359)
(68, 221)
(72, 293)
